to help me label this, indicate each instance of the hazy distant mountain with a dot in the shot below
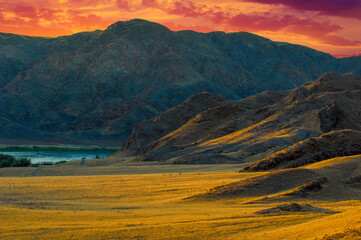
(92, 87)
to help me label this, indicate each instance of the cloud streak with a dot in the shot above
(340, 8)
(324, 31)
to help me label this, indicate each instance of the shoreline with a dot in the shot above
(53, 148)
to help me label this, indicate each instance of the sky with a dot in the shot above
(332, 26)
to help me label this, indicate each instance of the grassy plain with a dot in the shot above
(153, 206)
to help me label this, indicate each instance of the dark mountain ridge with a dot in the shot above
(92, 87)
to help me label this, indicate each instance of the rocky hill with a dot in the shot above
(149, 130)
(337, 179)
(92, 87)
(329, 145)
(255, 127)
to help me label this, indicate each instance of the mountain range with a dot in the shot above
(270, 130)
(93, 87)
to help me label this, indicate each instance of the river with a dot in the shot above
(57, 156)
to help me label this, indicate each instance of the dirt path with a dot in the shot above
(11, 186)
(35, 172)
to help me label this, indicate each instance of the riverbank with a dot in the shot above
(60, 148)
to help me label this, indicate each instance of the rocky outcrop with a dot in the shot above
(331, 118)
(294, 208)
(354, 181)
(329, 145)
(312, 186)
(333, 82)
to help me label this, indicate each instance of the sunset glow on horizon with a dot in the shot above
(331, 26)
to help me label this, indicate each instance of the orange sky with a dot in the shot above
(332, 26)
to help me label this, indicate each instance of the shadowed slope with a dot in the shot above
(150, 130)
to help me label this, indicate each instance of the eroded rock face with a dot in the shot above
(97, 85)
(330, 145)
(355, 181)
(292, 207)
(331, 118)
(312, 186)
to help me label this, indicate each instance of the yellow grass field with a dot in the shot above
(153, 207)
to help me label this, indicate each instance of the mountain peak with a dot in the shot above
(136, 24)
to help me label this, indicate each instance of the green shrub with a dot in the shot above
(60, 162)
(5, 163)
(6, 157)
(10, 161)
(6, 160)
(22, 162)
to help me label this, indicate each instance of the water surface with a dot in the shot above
(57, 156)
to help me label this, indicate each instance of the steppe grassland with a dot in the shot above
(152, 207)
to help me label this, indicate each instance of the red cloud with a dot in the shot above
(256, 23)
(12, 21)
(24, 11)
(87, 3)
(27, 18)
(90, 20)
(324, 32)
(19, 26)
(48, 14)
(321, 31)
(150, 3)
(182, 8)
(341, 8)
(123, 4)
(187, 9)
